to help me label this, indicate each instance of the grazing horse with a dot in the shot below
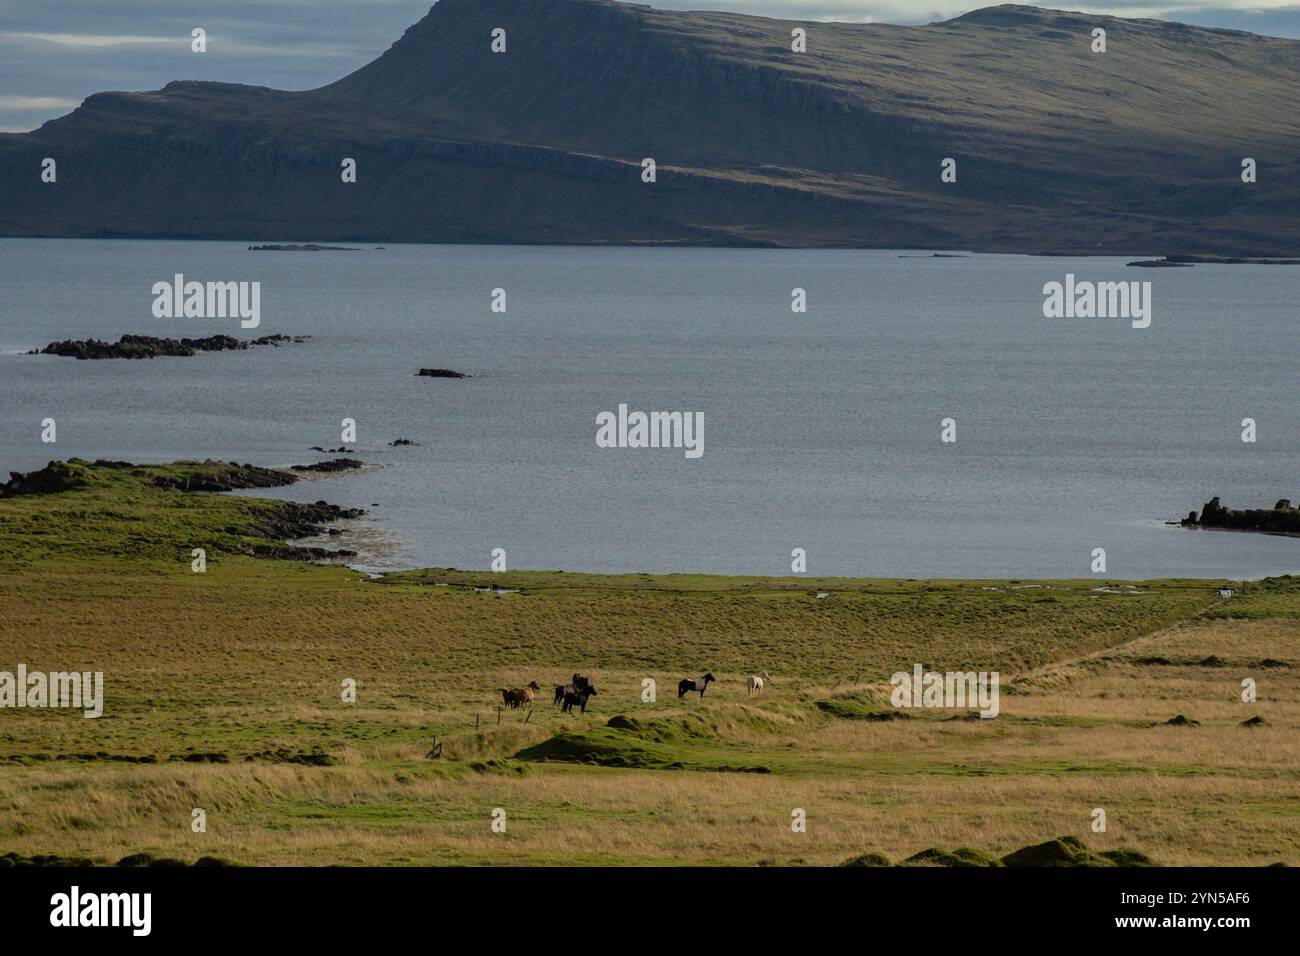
(524, 695)
(520, 695)
(688, 684)
(755, 683)
(578, 698)
(579, 683)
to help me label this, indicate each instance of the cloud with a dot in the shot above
(90, 39)
(37, 103)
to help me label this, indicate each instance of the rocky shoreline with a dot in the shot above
(1179, 261)
(282, 521)
(148, 346)
(1280, 519)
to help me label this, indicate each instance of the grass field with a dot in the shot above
(223, 692)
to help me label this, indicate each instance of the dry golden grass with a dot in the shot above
(255, 675)
(243, 665)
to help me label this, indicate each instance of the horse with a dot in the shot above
(520, 695)
(578, 698)
(524, 695)
(755, 683)
(688, 684)
(579, 683)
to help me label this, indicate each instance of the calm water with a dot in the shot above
(821, 430)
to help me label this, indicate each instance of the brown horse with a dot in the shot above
(520, 696)
(525, 694)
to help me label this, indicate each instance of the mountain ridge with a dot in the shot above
(1058, 149)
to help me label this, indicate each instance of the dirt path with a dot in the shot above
(1047, 670)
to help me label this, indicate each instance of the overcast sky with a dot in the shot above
(53, 53)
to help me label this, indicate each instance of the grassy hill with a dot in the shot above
(1059, 149)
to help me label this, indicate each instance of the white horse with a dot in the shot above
(755, 683)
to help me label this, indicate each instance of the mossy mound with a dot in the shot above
(605, 747)
(847, 709)
(498, 766)
(148, 859)
(42, 859)
(965, 856)
(652, 743)
(1063, 851)
(312, 758)
(868, 859)
(1070, 851)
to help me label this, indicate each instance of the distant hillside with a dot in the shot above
(1058, 149)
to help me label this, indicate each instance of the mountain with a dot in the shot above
(1058, 148)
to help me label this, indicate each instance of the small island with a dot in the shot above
(304, 247)
(148, 346)
(1280, 519)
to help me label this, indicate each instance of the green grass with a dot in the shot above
(240, 667)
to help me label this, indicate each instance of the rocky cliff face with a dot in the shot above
(1058, 148)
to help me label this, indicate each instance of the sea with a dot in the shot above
(823, 430)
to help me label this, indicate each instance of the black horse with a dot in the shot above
(688, 684)
(577, 698)
(580, 683)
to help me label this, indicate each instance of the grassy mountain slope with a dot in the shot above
(1058, 148)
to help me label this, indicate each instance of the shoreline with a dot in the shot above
(358, 541)
(923, 252)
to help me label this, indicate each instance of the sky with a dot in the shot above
(54, 53)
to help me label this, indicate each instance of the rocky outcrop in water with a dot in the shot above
(300, 247)
(55, 477)
(334, 464)
(279, 340)
(1280, 519)
(148, 346)
(291, 519)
